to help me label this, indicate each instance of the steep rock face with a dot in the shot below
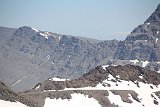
(143, 42)
(35, 56)
(149, 30)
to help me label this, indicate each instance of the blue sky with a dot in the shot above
(99, 19)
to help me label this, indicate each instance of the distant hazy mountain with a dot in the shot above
(29, 56)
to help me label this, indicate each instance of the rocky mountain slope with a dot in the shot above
(104, 86)
(9, 98)
(29, 56)
(143, 43)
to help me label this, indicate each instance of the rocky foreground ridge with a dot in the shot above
(130, 85)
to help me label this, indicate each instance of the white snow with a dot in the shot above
(52, 62)
(78, 100)
(104, 66)
(38, 87)
(57, 79)
(11, 104)
(59, 38)
(148, 23)
(69, 56)
(134, 61)
(141, 77)
(157, 32)
(144, 91)
(45, 35)
(144, 63)
(35, 29)
(156, 40)
(116, 99)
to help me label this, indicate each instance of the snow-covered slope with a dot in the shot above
(77, 100)
(105, 86)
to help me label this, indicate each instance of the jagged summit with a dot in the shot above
(155, 17)
(149, 31)
(144, 41)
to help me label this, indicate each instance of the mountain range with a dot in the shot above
(32, 61)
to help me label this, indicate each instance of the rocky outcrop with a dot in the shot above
(8, 95)
(97, 75)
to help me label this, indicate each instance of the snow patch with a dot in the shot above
(141, 77)
(35, 29)
(57, 79)
(78, 100)
(156, 40)
(157, 32)
(11, 104)
(134, 61)
(59, 38)
(46, 36)
(143, 90)
(144, 63)
(104, 66)
(148, 23)
(38, 87)
(116, 99)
